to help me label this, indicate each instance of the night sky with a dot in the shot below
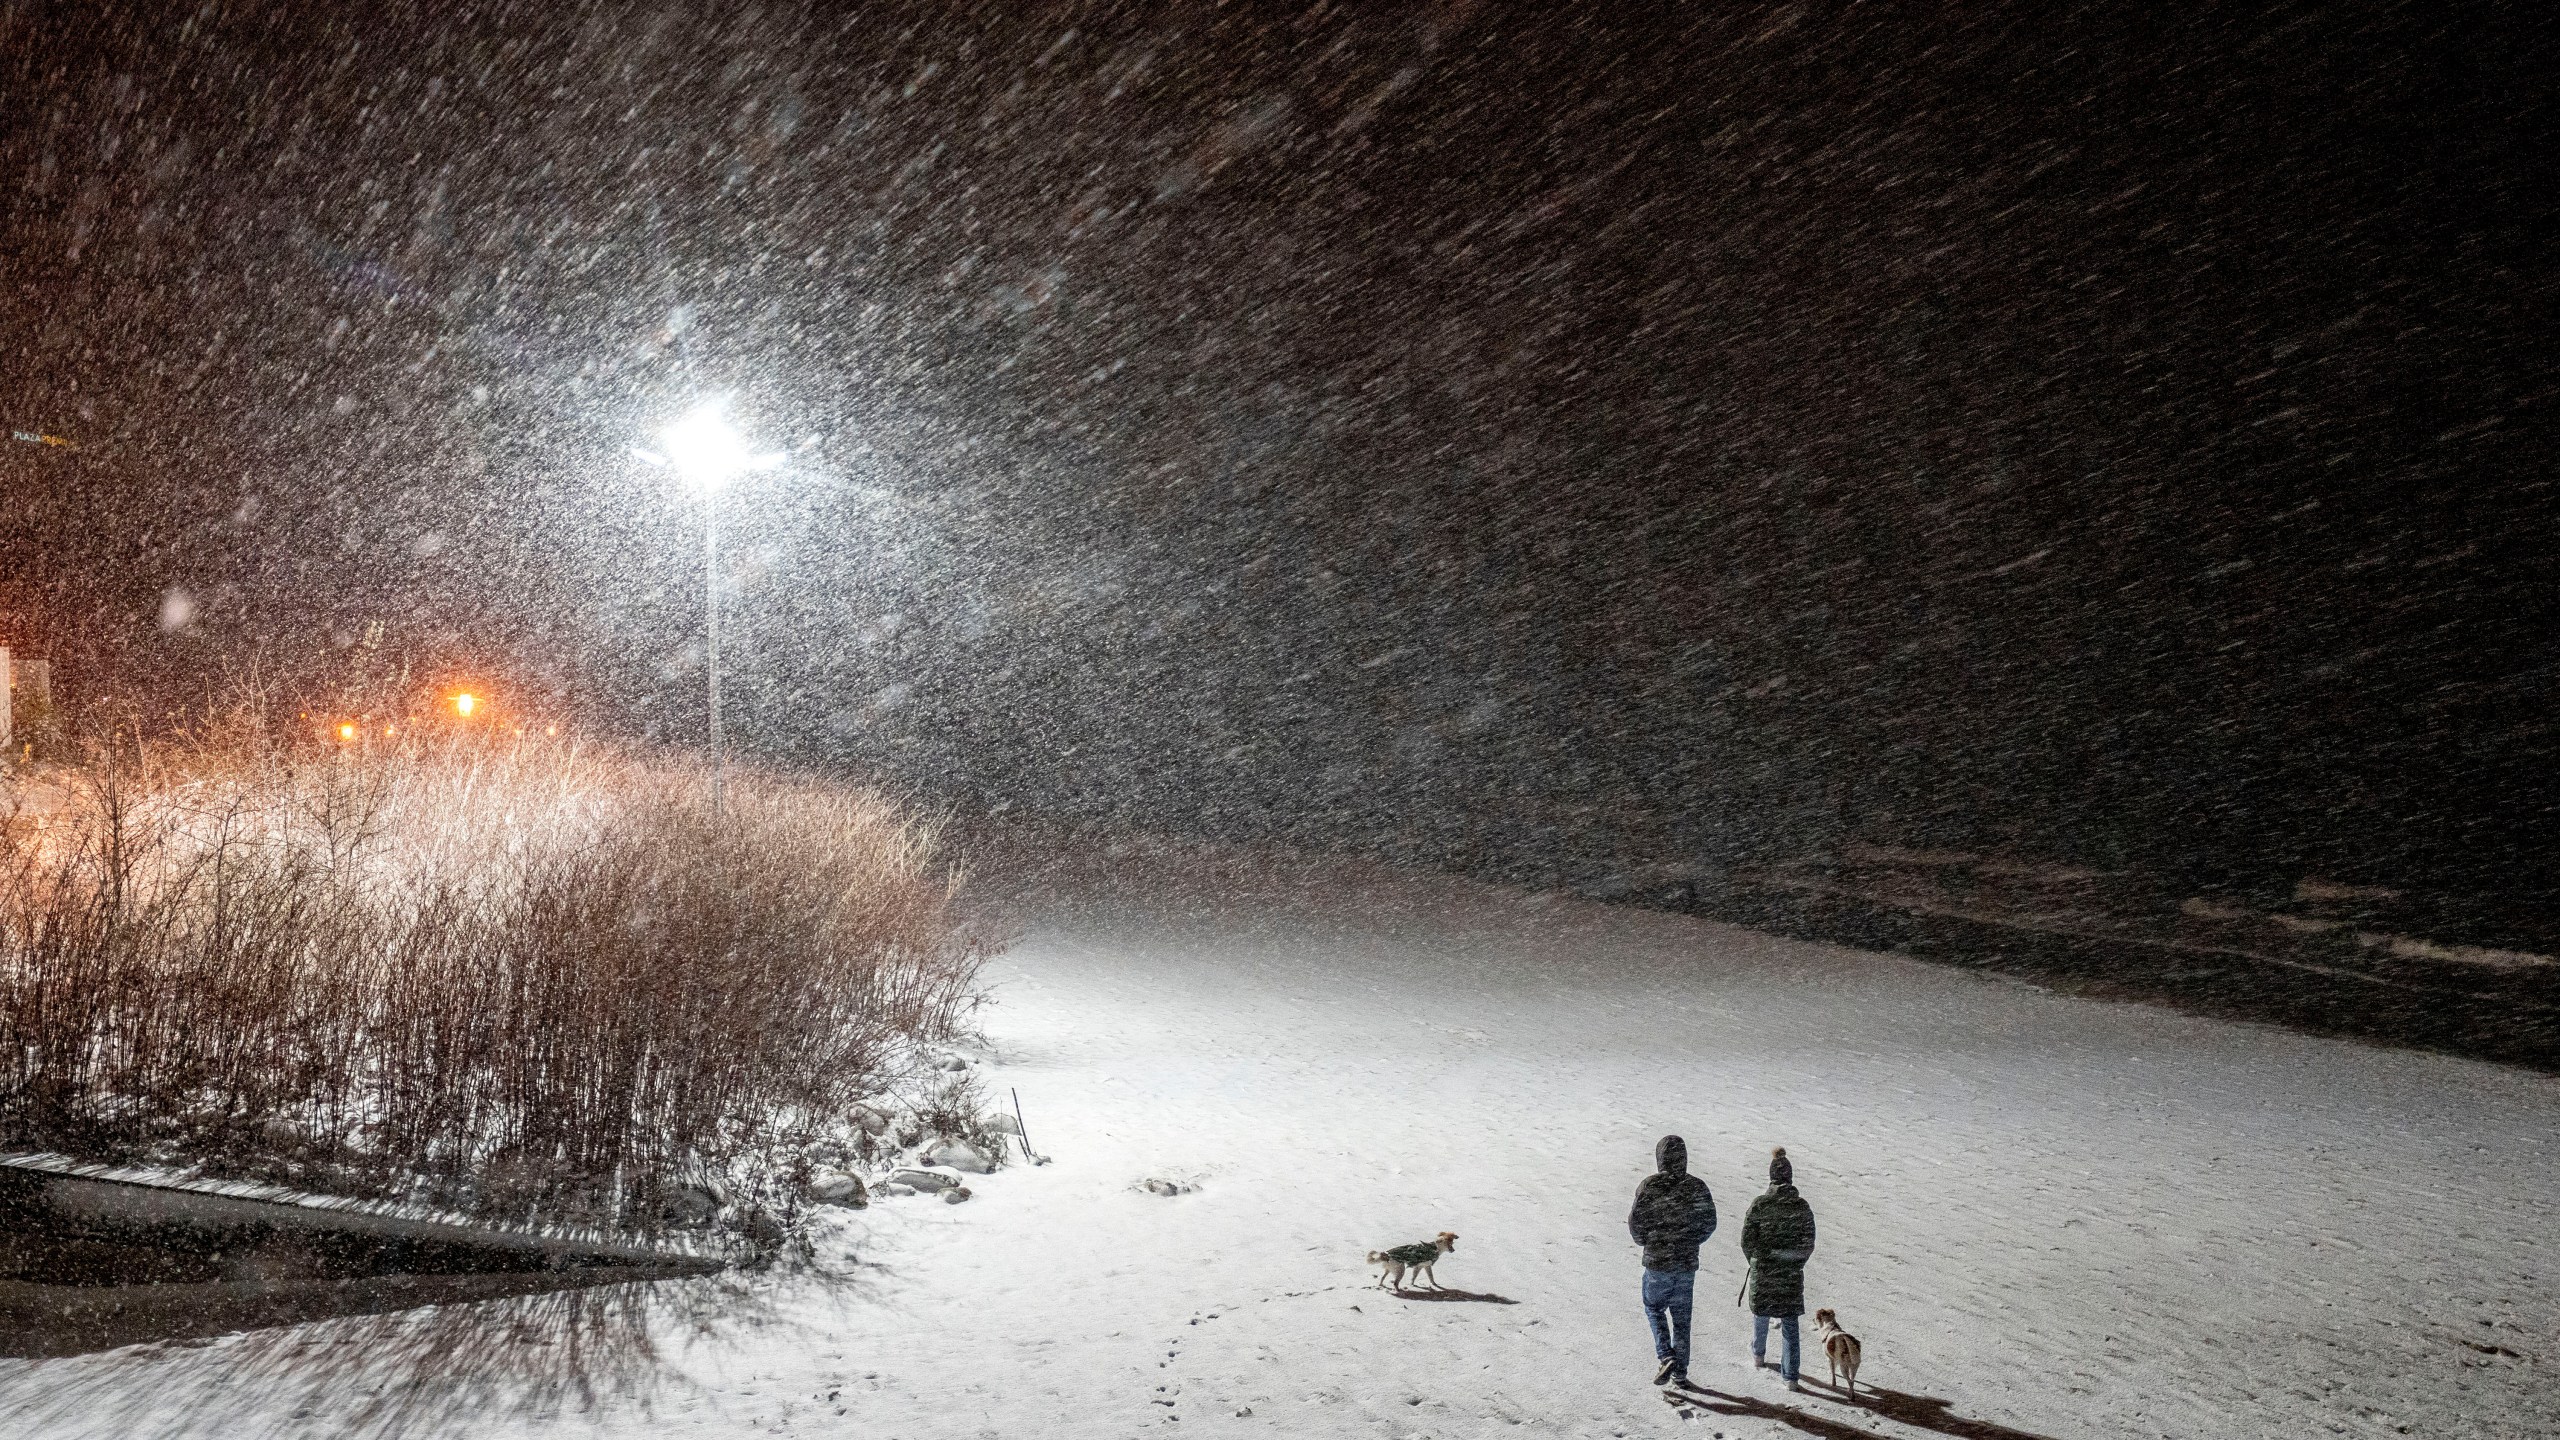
(1470, 431)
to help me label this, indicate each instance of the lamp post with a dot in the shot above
(704, 449)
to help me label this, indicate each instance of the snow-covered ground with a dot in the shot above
(2045, 1216)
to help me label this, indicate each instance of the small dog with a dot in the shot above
(1839, 1346)
(1416, 1260)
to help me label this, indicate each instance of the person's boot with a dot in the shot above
(1670, 1367)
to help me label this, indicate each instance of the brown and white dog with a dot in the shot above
(1416, 1259)
(1839, 1346)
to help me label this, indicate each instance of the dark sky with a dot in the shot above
(1709, 433)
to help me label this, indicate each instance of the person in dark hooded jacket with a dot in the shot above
(1777, 1238)
(1673, 1215)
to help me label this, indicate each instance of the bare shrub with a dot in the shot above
(957, 1108)
(524, 978)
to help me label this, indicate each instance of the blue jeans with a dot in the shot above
(1760, 1343)
(1667, 1295)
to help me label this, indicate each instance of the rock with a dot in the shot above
(955, 1195)
(835, 1187)
(871, 1119)
(952, 1063)
(1004, 1125)
(960, 1155)
(1167, 1187)
(688, 1205)
(925, 1179)
(893, 1188)
(763, 1228)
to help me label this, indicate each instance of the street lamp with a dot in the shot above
(708, 452)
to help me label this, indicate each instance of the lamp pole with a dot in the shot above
(707, 452)
(711, 634)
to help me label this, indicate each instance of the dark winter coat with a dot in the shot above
(1674, 1214)
(1777, 1238)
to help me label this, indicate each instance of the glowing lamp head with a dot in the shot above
(464, 704)
(706, 450)
(346, 732)
(703, 448)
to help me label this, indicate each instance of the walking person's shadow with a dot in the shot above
(1922, 1412)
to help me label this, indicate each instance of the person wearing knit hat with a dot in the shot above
(1777, 1240)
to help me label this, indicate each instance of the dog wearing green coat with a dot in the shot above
(1415, 1260)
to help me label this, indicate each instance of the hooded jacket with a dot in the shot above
(1674, 1214)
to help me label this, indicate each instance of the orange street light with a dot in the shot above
(465, 703)
(346, 732)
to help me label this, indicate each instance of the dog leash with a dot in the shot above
(1747, 1267)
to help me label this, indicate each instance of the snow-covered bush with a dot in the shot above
(953, 1109)
(516, 977)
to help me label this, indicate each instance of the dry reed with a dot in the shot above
(531, 980)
